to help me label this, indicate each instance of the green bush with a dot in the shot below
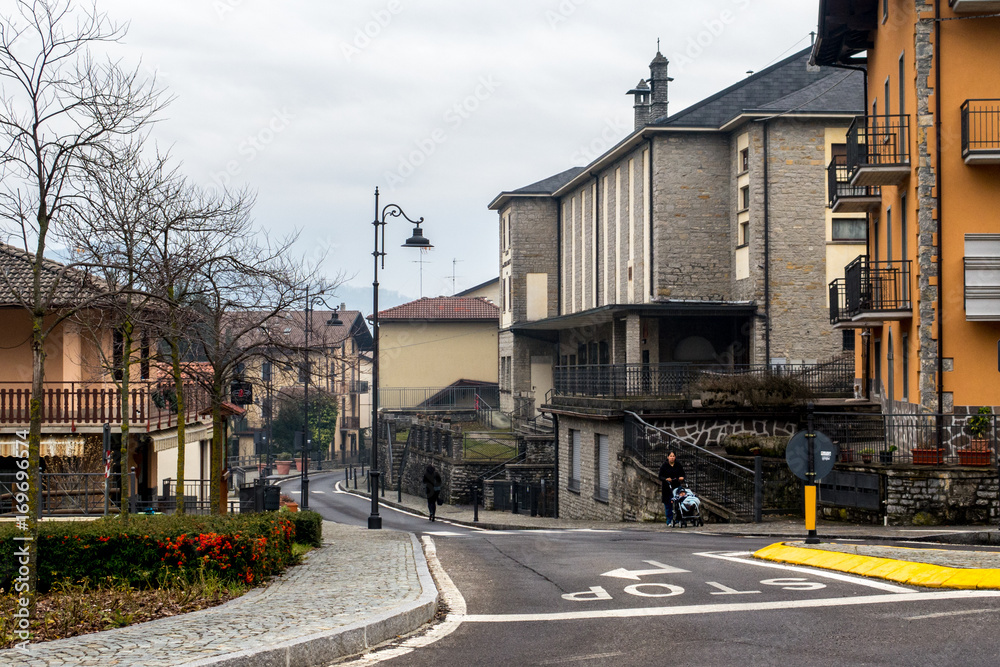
(308, 527)
(749, 444)
(751, 390)
(144, 551)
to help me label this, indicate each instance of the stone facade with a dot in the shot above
(580, 501)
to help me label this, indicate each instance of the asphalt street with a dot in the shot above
(592, 597)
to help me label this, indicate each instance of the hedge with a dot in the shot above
(308, 527)
(144, 551)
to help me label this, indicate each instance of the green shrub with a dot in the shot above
(308, 527)
(751, 390)
(749, 444)
(143, 551)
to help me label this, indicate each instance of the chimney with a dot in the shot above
(641, 106)
(659, 81)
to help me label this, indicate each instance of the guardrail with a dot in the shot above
(981, 127)
(431, 399)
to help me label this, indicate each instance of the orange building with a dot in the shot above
(925, 163)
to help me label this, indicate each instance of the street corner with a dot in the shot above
(927, 575)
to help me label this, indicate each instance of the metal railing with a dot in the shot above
(430, 399)
(535, 499)
(629, 380)
(709, 475)
(875, 286)
(349, 422)
(80, 403)
(878, 141)
(838, 179)
(84, 494)
(980, 127)
(919, 439)
(488, 449)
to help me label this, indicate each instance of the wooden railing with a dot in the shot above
(73, 404)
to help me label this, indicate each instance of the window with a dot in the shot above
(904, 245)
(744, 160)
(849, 229)
(848, 342)
(744, 233)
(601, 473)
(838, 153)
(304, 372)
(265, 371)
(574, 457)
(744, 197)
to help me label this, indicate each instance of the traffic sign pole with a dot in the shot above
(811, 537)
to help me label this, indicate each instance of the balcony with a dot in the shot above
(617, 381)
(87, 406)
(350, 423)
(981, 131)
(847, 198)
(871, 293)
(974, 6)
(878, 150)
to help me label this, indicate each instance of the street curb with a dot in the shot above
(325, 647)
(900, 571)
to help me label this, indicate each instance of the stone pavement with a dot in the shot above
(362, 588)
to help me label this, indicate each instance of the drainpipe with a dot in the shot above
(940, 207)
(649, 232)
(559, 252)
(597, 238)
(767, 256)
(555, 427)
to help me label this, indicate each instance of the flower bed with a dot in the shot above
(146, 551)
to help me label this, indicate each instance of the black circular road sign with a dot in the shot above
(824, 455)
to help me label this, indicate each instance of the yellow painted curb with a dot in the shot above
(901, 571)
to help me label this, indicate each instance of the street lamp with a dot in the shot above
(334, 321)
(415, 241)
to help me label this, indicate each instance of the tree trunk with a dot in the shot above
(126, 363)
(175, 360)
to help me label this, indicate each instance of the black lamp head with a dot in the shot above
(418, 240)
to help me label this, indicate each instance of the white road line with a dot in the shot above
(314, 491)
(338, 489)
(813, 572)
(952, 613)
(581, 658)
(729, 608)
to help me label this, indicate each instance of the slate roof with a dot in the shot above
(786, 85)
(71, 285)
(458, 308)
(292, 328)
(549, 185)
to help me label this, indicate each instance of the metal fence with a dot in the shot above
(430, 399)
(834, 377)
(84, 494)
(980, 127)
(839, 188)
(876, 286)
(709, 475)
(878, 141)
(918, 439)
(536, 499)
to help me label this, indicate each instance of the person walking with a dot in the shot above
(671, 477)
(432, 485)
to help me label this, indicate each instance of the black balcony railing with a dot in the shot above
(981, 129)
(878, 141)
(838, 302)
(631, 380)
(842, 194)
(875, 287)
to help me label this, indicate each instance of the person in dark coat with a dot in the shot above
(432, 485)
(671, 477)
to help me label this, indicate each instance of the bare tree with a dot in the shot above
(61, 108)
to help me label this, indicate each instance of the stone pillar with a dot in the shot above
(633, 339)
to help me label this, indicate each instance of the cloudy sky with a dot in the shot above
(442, 104)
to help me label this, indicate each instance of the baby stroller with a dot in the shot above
(687, 508)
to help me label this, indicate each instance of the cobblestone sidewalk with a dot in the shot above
(361, 588)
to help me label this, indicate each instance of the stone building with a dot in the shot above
(703, 238)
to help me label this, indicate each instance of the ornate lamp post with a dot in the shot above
(415, 241)
(334, 321)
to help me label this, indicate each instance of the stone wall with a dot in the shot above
(583, 503)
(707, 431)
(925, 496)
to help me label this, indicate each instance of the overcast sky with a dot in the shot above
(442, 104)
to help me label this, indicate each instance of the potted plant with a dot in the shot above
(867, 455)
(927, 453)
(885, 457)
(283, 463)
(978, 451)
(846, 454)
(288, 503)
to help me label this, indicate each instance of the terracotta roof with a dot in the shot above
(444, 308)
(71, 285)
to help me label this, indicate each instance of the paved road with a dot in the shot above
(642, 598)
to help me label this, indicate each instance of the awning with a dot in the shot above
(164, 440)
(52, 445)
(663, 308)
